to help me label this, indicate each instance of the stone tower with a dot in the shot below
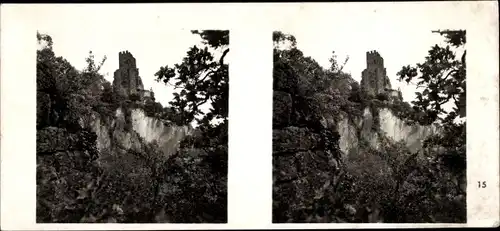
(126, 78)
(374, 78)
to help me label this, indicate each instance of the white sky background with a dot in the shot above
(152, 47)
(104, 29)
(400, 44)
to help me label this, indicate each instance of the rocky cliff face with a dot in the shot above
(105, 155)
(353, 152)
(300, 151)
(306, 170)
(124, 146)
(314, 132)
(131, 129)
(358, 129)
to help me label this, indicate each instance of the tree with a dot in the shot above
(92, 67)
(44, 40)
(67, 175)
(442, 76)
(290, 63)
(280, 38)
(334, 65)
(69, 92)
(201, 163)
(201, 80)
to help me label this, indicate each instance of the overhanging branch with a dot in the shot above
(221, 60)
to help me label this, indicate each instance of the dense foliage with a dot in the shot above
(67, 92)
(78, 183)
(203, 81)
(390, 184)
(304, 144)
(442, 76)
(67, 168)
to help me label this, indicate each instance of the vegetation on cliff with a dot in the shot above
(203, 80)
(306, 156)
(78, 183)
(389, 184)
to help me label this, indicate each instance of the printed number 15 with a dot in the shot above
(481, 184)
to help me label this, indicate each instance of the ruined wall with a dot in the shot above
(126, 78)
(374, 78)
(395, 95)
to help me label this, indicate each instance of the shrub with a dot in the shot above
(134, 97)
(382, 97)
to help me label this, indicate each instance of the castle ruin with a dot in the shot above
(127, 81)
(374, 80)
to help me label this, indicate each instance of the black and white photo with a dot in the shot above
(135, 131)
(339, 115)
(374, 133)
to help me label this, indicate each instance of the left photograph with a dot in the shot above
(132, 127)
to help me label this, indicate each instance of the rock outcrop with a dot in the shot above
(109, 159)
(130, 128)
(359, 129)
(298, 151)
(123, 133)
(315, 131)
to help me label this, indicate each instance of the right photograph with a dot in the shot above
(369, 133)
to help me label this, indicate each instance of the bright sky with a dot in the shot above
(398, 46)
(401, 33)
(152, 47)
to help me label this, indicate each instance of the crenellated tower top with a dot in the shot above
(374, 60)
(126, 60)
(374, 78)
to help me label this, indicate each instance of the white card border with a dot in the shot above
(249, 184)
